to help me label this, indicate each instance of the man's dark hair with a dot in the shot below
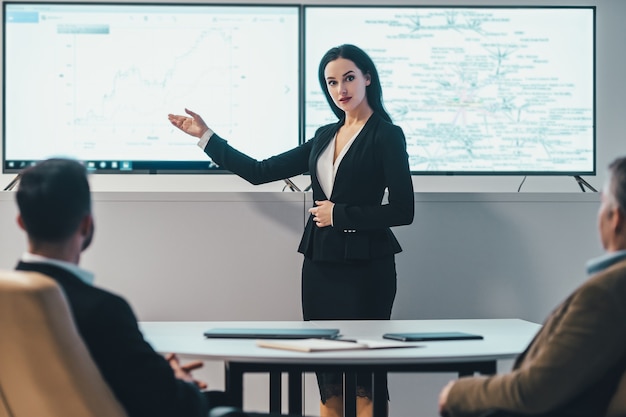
(617, 184)
(53, 198)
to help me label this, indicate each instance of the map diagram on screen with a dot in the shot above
(477, 91)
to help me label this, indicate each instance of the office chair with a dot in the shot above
(46, 369)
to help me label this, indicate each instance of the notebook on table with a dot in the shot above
(270, 333)
(323, 345)
(431, 336)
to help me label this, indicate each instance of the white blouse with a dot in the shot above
(326, 168)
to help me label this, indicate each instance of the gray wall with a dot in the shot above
(232, 256)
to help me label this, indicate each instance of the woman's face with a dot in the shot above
(346, 84)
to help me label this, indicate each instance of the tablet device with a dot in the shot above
(432, 336)
(269, 333)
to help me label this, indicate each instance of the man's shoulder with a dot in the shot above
(613, 277)
(80, 295)
(606, 287)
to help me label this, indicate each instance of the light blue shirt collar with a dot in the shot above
(601, 263)
(84, 275)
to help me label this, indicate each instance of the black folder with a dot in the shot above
(270, 333)
(431, 336)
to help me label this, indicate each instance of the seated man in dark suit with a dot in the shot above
(54, 203)
(573, 365)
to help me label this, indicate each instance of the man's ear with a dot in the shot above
(87, 230)
(20, 222)
(86, 224)
(619, 220)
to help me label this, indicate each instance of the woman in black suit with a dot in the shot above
(349, 250)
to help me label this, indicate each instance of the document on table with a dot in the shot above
(324, 345)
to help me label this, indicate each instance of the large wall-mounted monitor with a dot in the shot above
(95, 81)
(477, 90)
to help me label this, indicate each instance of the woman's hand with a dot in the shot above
(323, 213)
(193, 125)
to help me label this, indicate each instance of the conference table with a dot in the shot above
(502, 339)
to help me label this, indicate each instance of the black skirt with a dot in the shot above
(363, 290)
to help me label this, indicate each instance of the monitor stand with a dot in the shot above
(582, 184)
(13, 183)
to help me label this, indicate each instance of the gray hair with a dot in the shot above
(616, 189)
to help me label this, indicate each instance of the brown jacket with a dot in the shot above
(572, 366)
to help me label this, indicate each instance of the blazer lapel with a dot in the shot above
(345, 171)
(322, 143)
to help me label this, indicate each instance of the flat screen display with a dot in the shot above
(96, 81)
(477, 90)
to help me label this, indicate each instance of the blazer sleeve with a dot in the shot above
(285, 165)
(390, 149)
(580, 347)
(141, 379)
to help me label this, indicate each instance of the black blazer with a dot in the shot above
(140, 378)
(377, 160)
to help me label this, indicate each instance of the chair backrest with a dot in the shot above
(45, 368)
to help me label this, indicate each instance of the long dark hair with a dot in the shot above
(374, 91)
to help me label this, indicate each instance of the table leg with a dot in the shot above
(234, 384)
(275, 392)
(379, 394)
(349, 394)
(295, 392)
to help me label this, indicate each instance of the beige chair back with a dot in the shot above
(45, 368)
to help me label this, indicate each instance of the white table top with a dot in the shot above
(503, 339)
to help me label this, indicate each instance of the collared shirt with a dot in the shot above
(601, 263)
(204, 139)
(84, 275)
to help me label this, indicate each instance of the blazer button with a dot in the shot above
(349, 231)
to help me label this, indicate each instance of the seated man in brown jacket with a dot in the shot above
(574, 364)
